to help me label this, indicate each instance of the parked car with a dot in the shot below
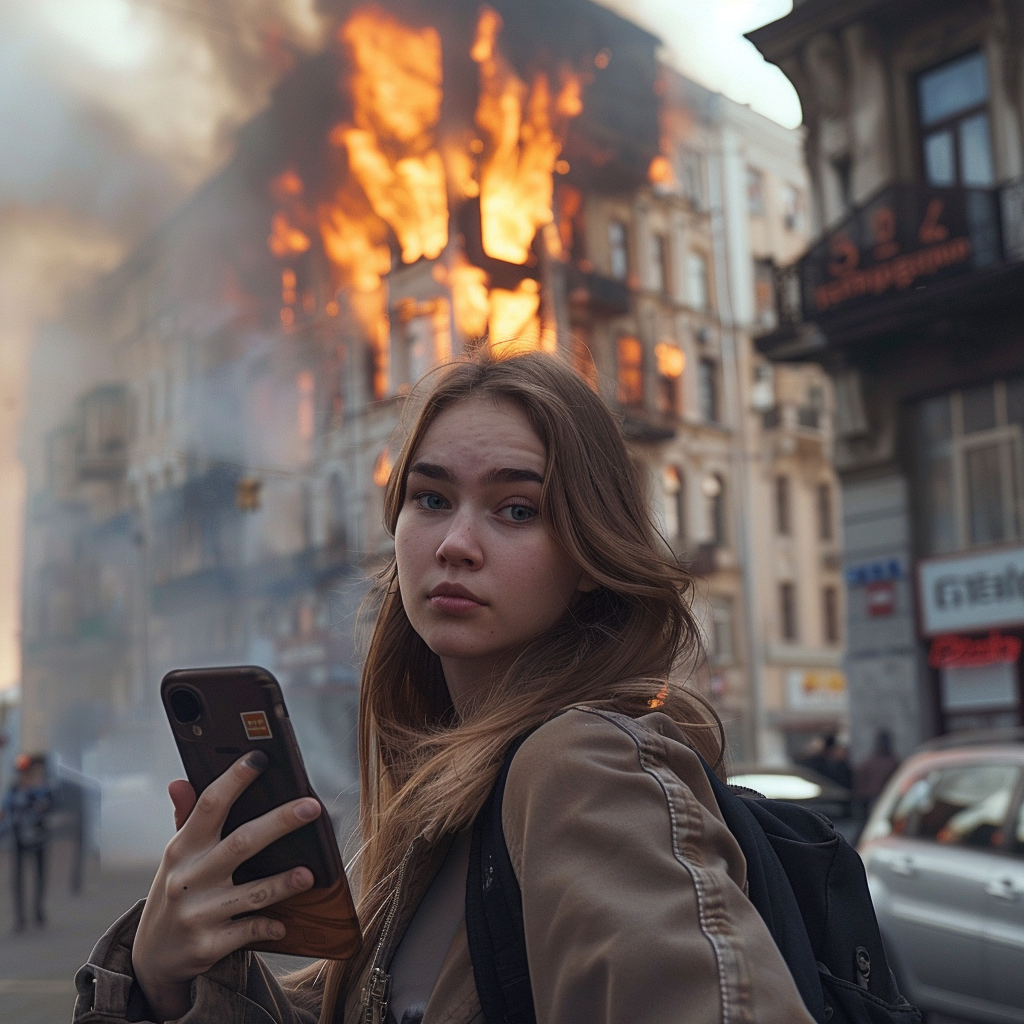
(944, 853)
(801, 786)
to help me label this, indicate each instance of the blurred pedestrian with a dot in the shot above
(871, 775)
(24, 811)
(830, 759)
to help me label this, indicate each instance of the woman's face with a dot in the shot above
(480, 574)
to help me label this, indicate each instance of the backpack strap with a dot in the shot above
(494, 915)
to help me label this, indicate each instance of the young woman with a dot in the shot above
(529, 591)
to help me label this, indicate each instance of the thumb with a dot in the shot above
(183, 796)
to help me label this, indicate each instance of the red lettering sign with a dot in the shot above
(880, 598)
(953, 651)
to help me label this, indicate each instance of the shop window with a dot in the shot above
(618, 250)
(674, 489)
(707, 390)
(697, 281)
(721, 630)
(631, 371)
(830, 615)
(787, 612)
(969, 470)
(783, 512)
(755, 192)
(671, 361)
(826, 520)
(953, 112)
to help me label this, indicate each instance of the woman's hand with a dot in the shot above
(187, 925)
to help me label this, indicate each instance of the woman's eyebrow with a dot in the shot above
(494, 476)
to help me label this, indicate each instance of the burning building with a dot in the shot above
(523, 173)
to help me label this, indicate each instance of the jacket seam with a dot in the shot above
(732, 1002)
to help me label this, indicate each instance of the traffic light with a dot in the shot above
(247, 494)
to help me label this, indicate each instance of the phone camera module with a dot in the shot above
(185, 705)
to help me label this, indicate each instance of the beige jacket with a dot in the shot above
(633, 902)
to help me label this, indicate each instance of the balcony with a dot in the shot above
(792, 429)
(603, 295)
(892, 260)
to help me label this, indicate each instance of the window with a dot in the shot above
(953, 110)
(783, 517)
(631, 371)
(969, 471)
(764, 295)
(675, 503)
(964, 805)
(830, 615)
(671, 360)
(697, 280)
(337, 512)
(714, 493)
(720, 632)
(693, 178)
(618, 250)
(755, 192)
(826, 524)
(787, 612)
(707, 390)
(792, 207)
(660, 269)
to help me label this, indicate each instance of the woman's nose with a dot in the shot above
(460, 545)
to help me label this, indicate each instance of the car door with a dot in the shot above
(933, 869)
(1004, 935)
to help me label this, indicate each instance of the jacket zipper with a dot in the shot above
(377, 991)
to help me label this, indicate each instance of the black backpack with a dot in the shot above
(803, 877)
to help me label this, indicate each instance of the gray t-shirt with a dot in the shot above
(417, 962)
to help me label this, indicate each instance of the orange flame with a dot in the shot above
(521, 145)
(396, 93)
(286, 240)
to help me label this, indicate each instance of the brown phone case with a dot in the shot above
(219, 714)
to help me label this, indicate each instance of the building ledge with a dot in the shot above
(796, 656)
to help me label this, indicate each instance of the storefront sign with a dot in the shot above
(972, 594)
(951, 651)
(816, 691)
(880, 570)
(906, 237)
(880, 599)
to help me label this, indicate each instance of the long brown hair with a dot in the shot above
(424, 769)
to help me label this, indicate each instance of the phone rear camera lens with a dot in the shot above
(185, 705)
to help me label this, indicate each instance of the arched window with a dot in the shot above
(714, 493)
(673, 485)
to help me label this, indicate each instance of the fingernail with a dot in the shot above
(257, 760)
(307, 810)
(277, 930)
(300, 879)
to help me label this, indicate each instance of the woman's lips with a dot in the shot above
(454, 599)
(454, 605)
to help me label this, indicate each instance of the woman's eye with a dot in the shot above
(519, 513)
(431, 502)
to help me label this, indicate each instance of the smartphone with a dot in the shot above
(219, 714)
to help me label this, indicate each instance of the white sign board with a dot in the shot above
(969, 594)
(816, 691)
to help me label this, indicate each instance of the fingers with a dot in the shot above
(265, 892)
(207, 817)
(183, 797)
(253, 836)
